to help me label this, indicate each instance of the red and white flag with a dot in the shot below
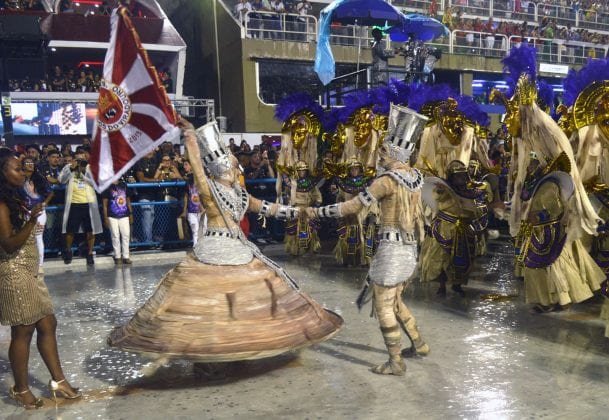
(134, 114)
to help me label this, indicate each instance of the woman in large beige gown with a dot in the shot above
(225, 301)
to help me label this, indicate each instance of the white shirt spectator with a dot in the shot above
(303, 8)
(241, 10)
(277, 6)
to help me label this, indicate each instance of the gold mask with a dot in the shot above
(452, 122)
(301, 125)
(362, 122)
(592, 107)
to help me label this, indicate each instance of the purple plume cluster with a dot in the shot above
(296, 103)
(577, 81)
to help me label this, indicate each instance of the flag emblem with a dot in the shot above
(113, 107)
(134, 113)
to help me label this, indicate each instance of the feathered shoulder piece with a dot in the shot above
(521, 60)
(472, 111)
(298, 103)
(423, 97)
(577, 81)
(401, 91)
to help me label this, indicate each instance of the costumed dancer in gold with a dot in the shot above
(225, 301)
(585, 113)
(566, 274)
(300, 233)
(300, 133)
(355, 143)
(397, 191)
(459, 218)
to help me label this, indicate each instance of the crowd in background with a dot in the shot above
(73, 6)
(73, 79)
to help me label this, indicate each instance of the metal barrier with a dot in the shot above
(459, 42)
(155, 222)
(281, 26)
(561, 51)
(478, 43)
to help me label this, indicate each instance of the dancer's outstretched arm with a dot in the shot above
(380, 188)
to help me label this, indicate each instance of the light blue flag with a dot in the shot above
(325, 65)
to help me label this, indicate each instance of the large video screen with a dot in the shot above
(52, 118)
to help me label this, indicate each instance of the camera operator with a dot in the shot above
(81, 212)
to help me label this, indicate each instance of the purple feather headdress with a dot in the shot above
(296, 103)
(357, 100)
(382, 97)
(577, 81)
(520, 60)
(472, 111)
(331, 119)
(424, 94)
(545, 94)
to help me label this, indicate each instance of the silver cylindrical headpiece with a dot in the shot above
(404, 129)
(213, 152)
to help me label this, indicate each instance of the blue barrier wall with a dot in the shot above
(164, 216)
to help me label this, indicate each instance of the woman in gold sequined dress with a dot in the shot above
(25, 303)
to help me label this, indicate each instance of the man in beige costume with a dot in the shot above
(397, 191)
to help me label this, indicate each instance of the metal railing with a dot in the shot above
(561, 51)
(281, 26)
(459, 42)
(478, 43)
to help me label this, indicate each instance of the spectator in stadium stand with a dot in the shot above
(167, 81)
(81, 211)
(166, 148)
(433, 9)
(51, 169)
(118, 217)
(259, 167)
(241, 9)
(145, 172)
(32, 151)
(192, 208)
(82, 83)
(232, 146)
(36, 190)
(58, 84)
(447, 18)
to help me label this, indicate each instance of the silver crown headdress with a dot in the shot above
(213, 152)
(404, 129)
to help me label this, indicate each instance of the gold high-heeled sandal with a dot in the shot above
(54, 388)
(15, 396)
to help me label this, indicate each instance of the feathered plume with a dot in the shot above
(472, 111)
(357, 100)
(520, 60)
(576, 81)
(295, 103)
(382, 97)
(545, 94)
(423, 94)
(330, 119)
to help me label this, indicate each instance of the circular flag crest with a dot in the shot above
(113, 107)
(120, 201)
